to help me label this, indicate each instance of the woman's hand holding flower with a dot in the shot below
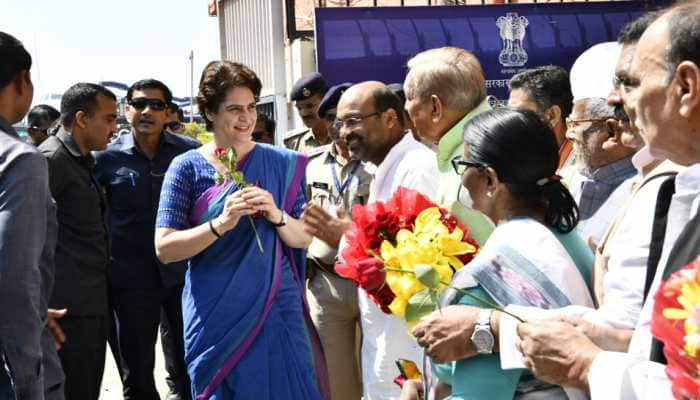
(260, 200)
(235, 207)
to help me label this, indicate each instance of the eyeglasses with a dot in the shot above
(571, 123)
(352, 122)
(460, 165)
(140, 103)
(45, 131)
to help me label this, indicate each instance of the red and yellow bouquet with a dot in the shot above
(403, 252)
(676, 323)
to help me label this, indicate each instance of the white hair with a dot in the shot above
(452, 74)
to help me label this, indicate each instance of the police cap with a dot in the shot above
(330, 100)
(307, 86)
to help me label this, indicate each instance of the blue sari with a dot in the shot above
(246, 324)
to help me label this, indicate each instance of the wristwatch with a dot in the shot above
(283, 220)
(482, 336)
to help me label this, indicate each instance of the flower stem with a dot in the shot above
(257, 237)
(483, 301)
(464, 292)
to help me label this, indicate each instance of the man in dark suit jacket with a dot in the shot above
(88, 119)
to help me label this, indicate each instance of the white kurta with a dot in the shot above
(624, 280)
(386, 338)
(630, 375)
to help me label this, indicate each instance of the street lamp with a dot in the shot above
(191, 86)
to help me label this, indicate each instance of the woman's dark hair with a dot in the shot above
(522, 149)
(217, 78)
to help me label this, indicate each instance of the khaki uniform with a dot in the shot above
(301, 140)
(333, 300)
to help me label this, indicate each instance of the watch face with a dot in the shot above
(483, 340)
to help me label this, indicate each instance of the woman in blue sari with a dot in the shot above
(532, 258)
(246, 326)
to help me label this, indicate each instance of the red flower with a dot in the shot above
(377, 222)
(219, 152)
(366, 273)
(407, 203)
(682, 369)
(383, 297)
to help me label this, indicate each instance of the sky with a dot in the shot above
(79, 40)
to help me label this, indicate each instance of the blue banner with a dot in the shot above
(359, 44)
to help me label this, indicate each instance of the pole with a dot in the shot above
(191, 86)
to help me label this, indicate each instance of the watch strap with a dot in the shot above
(283, 220)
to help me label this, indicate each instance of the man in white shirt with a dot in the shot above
(629, 250)
(370, 120)
(661, 92)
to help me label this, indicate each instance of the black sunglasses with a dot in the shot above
(460, 165)
(140, 103)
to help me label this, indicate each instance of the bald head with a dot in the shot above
(370, 120)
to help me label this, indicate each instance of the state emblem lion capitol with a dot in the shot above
(512, 31)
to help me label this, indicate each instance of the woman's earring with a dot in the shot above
(489, 194)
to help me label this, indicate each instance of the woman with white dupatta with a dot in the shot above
(532, 258)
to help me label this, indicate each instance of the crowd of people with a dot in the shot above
(583, 194)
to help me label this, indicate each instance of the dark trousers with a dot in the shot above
(138, 316)
(83, 355)
(177, 378)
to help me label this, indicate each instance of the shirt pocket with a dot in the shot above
(127, 190)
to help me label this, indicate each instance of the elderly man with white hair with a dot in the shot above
(602, 160)
(612, 322)
(445, 89)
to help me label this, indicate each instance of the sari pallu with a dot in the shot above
(247, 330)
(522, 263)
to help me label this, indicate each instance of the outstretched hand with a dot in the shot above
(321, 224)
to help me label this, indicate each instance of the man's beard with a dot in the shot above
(583, 161)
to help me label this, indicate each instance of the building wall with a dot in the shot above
(246, 37)
(252, 32)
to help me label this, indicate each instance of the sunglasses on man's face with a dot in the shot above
(140, 103)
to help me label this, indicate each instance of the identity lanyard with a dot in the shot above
(336, 181)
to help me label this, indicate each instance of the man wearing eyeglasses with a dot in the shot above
(335, 183)
(131, 172)
(370, 121)
(603, 161)
(39, 120)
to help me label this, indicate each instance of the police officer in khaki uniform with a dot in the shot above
(335, 184)
(306, 94)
